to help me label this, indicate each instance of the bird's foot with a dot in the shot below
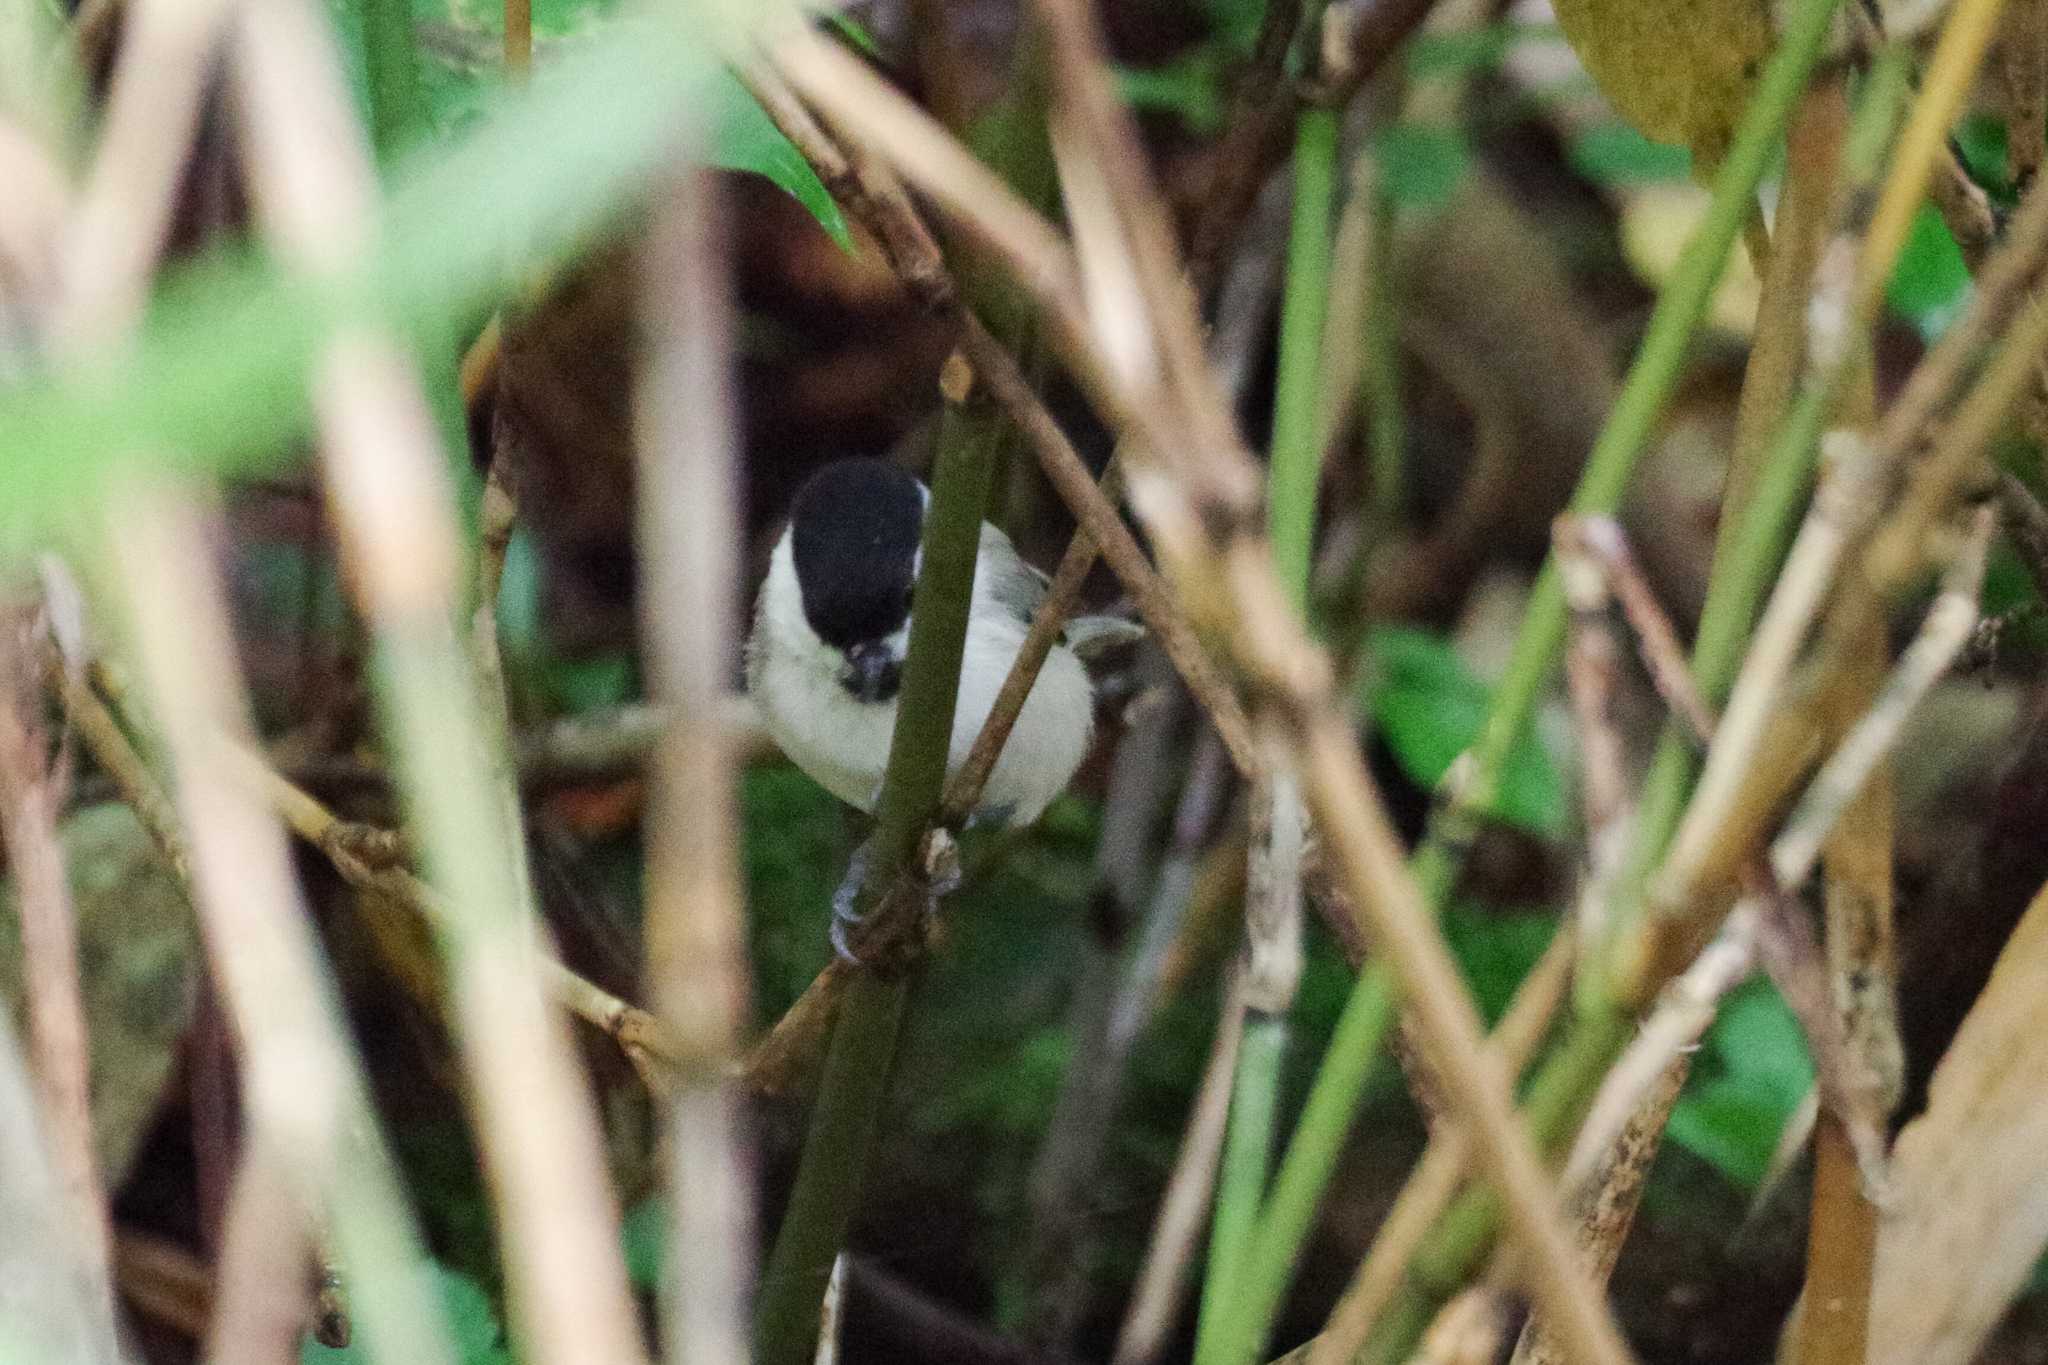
(846, 915)
(891, 935)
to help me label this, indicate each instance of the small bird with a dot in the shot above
(825, 656)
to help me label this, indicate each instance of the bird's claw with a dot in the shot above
(846, 916)
(934, 874)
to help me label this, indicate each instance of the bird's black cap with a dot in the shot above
(854, 532)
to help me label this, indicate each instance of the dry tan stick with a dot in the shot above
(645, 1042)
(260, 1307)
(1862, 995)
(1602, 541)
(1966, 209)
(114, 752)
(347, 845)
(497, 515)
(1942, 636)
(696, 937)
(1592, 663)
(163, 1281)
(47, 1315)
(314, 189)
(1834, 1312)
(1791, 954)
(59, 1054)
(305, 1097)
(1161, 1286)
(836, 82)
(1443, 1168)
(151, 114)
(1605, 1207)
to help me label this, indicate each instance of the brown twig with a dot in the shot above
(963, 790)
(642, 1038)
(1684, 1010)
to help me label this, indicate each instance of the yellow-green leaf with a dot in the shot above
(1679, 70)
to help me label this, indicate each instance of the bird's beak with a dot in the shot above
(872, 672)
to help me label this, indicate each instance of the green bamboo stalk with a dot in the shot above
(1380, 377)
(857, 1065)
(1296, 460)
(1362, 1028)
(1228, 1335)
(1241, 1184)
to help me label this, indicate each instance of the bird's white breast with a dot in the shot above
(843, 743)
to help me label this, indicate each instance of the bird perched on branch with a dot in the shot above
(832, 626)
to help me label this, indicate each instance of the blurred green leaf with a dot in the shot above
(1496, 951)
(1616, 154)
(1430, 707)
(479, 1337)
(1931, 284)
(1421, 163)
(461, 70)
(1191, 87)
(1981, 140)
(645, 1236)
(1479, 49)
(1752, 1072)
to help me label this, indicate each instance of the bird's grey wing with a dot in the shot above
(1016, 585)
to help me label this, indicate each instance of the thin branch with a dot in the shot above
(963, 791)
(1942, 636)
(1161, 1284)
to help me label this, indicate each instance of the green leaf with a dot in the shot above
(1930, 285)
(461, 71)
(1190, 86)
(1430, 707)
(645, 1237)
(747, 140)
(1752, 1073)
(479, 1337)
(1422, 163)
(1616, 154)
(1495, 951)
